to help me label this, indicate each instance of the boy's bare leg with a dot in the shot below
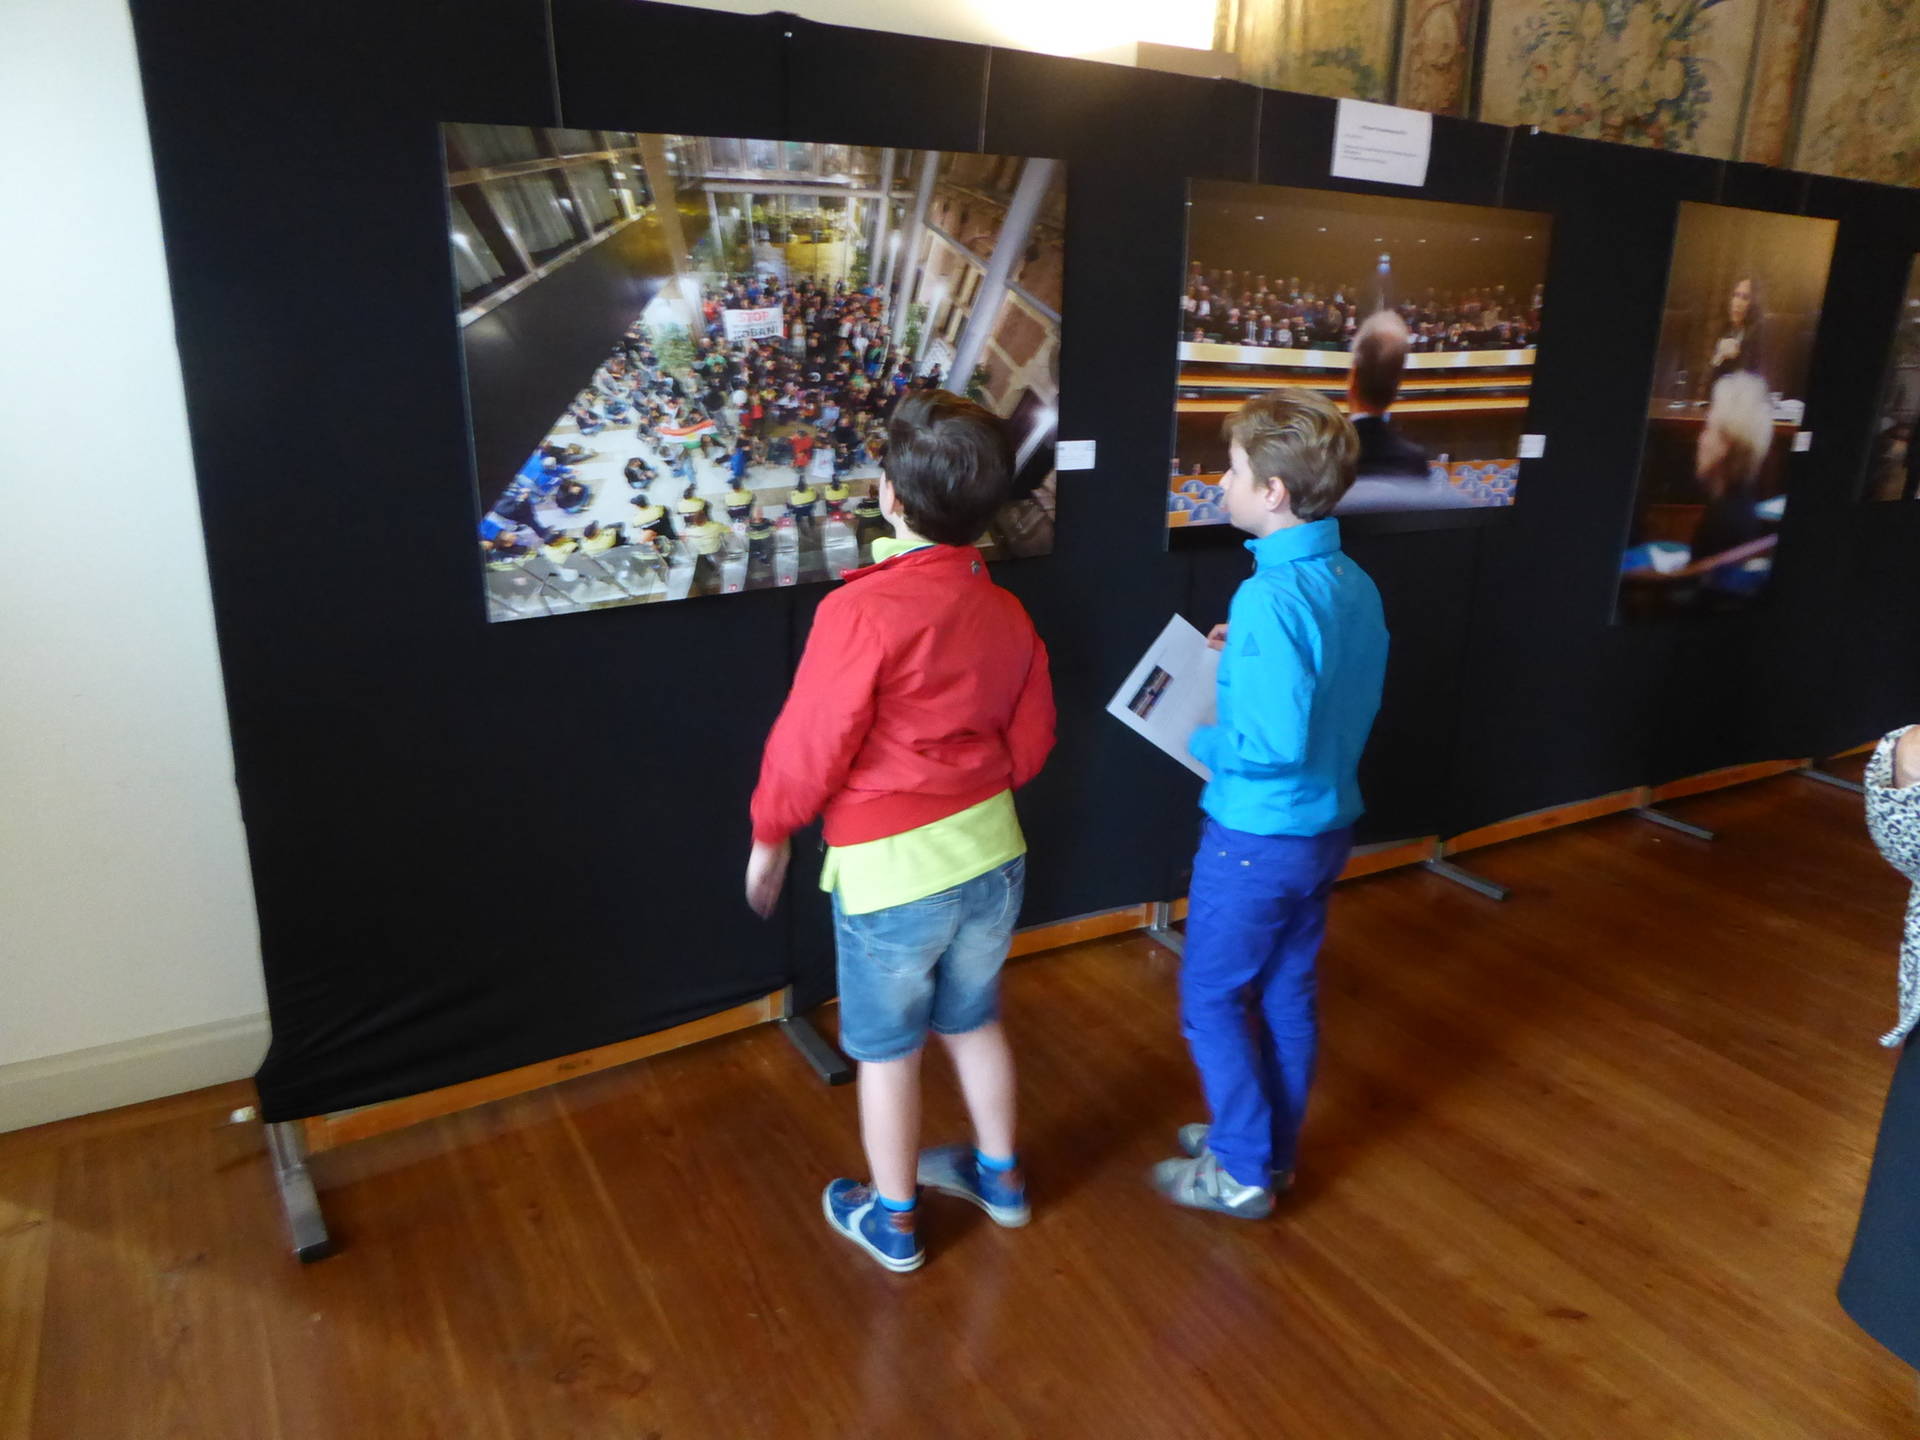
(890, 1123)
(984, 1063)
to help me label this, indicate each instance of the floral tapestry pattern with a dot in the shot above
(1785, 33)
(1666, 73)
(1863, 102)
(1434, 55)
(1317, 47)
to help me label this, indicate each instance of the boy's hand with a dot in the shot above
(767, 875)
(1217, 638)
(1906, 759)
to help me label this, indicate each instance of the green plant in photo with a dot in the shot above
(674, 348)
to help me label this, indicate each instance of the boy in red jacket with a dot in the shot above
(922, 702)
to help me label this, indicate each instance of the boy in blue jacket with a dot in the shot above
(1304, 654)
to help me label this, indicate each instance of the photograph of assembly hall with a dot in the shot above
(1422, 319)
(682, 352)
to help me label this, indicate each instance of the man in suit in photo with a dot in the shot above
(1393, 473)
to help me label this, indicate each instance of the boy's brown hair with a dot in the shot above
(1300, 438)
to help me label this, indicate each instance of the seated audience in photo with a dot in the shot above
(573, 496)
(640, 474)
(587, 416)
(1393, 473)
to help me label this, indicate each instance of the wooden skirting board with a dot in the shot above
(1552, 818)
(1086, 927)
(1721, 779)
(325, 1132)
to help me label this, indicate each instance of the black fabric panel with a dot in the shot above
(1423, 564)
(1776, 681)
(1110, 117)
(459, 866)
(1111, 821)
(479, 846)
(869, 87)
(1864, 597)
(1556, 702)
(669, 69)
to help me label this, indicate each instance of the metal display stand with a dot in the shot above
(1814, 771)
(1479, 884)
(1671, 822)
(1160, 927)
(290, 1143)
(827, 1061)
(287, 1143)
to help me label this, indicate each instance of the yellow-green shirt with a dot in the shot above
(899, 869)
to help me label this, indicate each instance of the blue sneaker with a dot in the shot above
(956, 1170)
(888, 1235)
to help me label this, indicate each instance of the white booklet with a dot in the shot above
(1170, 693)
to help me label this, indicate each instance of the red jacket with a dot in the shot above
(923, 691)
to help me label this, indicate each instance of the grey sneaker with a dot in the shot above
(1202, 1183)
(1193, 1141)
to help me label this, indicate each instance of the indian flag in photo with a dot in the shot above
(689, 433)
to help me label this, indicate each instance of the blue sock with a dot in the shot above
(994, 1162)
(898, 1207)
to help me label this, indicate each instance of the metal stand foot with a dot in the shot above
(1827, 777)
(1160, 928)
(304, 1221)
(1479, 884)
(827, 1062)
(1660, 817)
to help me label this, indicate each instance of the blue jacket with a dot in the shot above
(1299, 687)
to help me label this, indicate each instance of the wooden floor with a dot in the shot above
(1584, 1164)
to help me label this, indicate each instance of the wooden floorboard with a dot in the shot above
(1581, 1164)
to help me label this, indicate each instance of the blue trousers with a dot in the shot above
(1257, 914)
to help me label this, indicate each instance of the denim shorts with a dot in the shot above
(933, 964)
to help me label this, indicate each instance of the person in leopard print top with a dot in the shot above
(1882, 1277)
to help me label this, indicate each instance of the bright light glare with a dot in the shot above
(1084, 27)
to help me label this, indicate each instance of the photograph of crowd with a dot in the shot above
(1744, 292)
(770, 304)
(1893, 464)
(1422, 318)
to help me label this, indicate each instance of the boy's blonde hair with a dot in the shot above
(1301, 438)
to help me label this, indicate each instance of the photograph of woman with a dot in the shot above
(1744, 295)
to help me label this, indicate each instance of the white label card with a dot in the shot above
(1073, 455)
(1384, 143)
(1532, 447)
(1802, 441)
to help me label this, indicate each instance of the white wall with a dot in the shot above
(1094, 29)
(126, 911)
